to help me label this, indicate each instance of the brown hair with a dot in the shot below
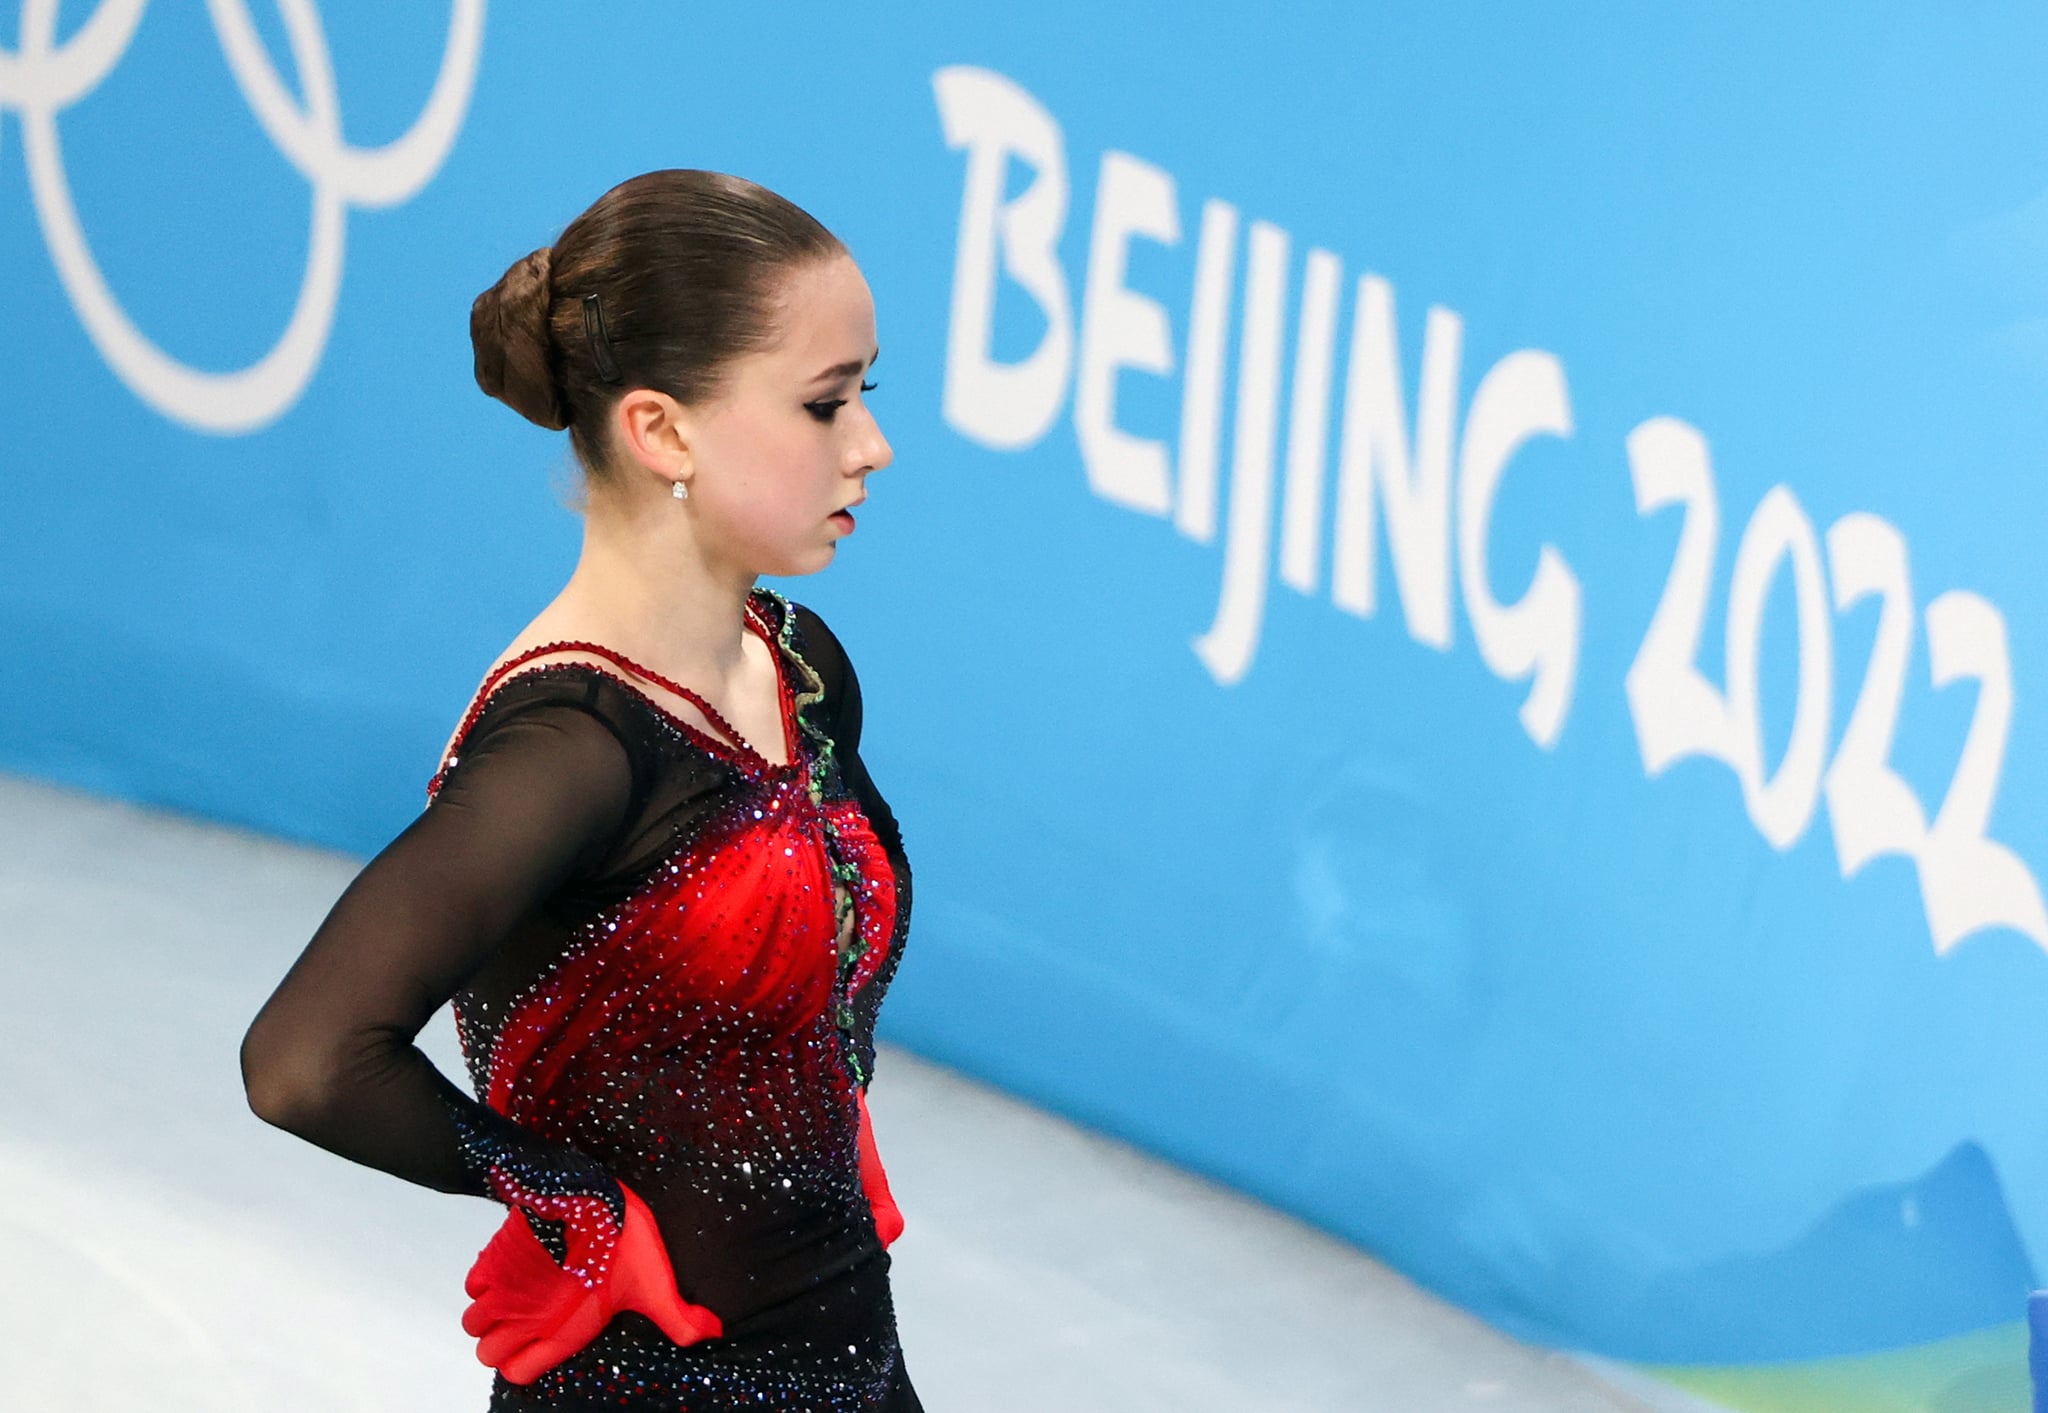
(683, 265)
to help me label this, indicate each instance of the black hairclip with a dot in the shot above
(600, 342)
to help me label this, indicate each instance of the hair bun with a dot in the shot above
(508, 330)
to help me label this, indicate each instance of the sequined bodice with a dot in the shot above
(701, 1032)
(706, 1020)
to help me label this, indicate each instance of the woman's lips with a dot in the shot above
(844, 519)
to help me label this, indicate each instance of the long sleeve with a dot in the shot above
(842, 720)
(858, 782)
(537, 794)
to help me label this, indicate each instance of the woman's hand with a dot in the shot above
(528, 1314)
(874, 1182)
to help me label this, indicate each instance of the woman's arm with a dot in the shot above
(842, 722)
(537, 794)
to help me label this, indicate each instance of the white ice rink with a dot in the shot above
(162, 1251)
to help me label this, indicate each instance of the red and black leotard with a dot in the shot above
(639, 926)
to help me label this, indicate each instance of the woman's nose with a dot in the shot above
(874, 452)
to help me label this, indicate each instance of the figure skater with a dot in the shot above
(653, 874)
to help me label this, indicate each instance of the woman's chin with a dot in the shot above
(797, 565)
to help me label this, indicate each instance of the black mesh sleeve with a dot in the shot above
(858, 782)
(842, 720)
(536, 795)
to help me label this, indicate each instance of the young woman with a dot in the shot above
(665, 913)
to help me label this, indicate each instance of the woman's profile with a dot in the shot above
(653, 875)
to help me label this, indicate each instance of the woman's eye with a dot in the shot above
(825, 410)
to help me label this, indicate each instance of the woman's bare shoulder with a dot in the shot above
(549, 640)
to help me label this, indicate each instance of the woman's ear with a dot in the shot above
(655, 431)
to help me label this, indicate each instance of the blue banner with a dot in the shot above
(1455, 627)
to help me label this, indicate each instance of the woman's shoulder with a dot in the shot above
(802, 628)
(806, 636)
(571, 687)
(529, 674)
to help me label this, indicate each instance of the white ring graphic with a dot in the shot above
(41, 78)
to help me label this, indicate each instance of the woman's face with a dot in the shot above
(786, 446)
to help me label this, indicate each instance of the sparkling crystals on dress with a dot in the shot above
(703, 1039)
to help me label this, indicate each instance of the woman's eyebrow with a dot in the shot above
(849, 368)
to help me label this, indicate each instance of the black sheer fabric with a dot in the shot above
(643, 979)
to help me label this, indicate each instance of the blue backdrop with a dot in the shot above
(1455, 626)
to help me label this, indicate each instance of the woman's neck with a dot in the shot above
(645, 587)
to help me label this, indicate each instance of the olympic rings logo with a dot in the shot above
(41, 78)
